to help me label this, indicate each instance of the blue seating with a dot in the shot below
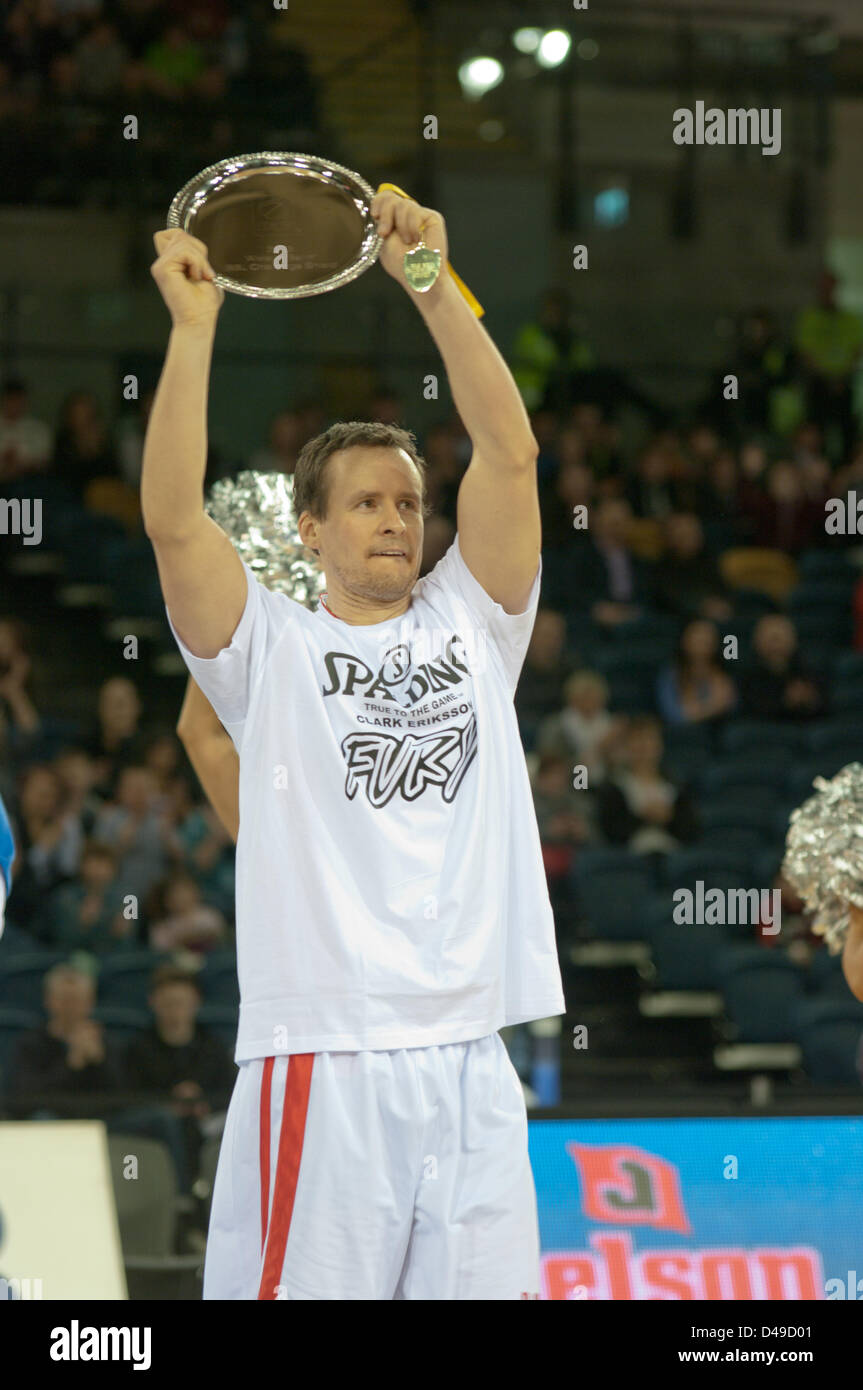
(755, 735)
(222, 1020)
(823, 624)
(799, 780)
(631, 696)
(124, 978)
(16, 942)
(847, 694)
(762, 990)
(768, 769)
(717, 868)
(84, 547)
(848, 665)
(684, 765)
(829, 1031)
(766, 865)
(610, 887)
(218, 978)
(22, 977)
(824, 564)
(121, 1024)
(685, 956)
(827, 978)
(130, 569)
(732, 839)
(824, 591)
(835, 733)
(13, 1022)
(740, 808)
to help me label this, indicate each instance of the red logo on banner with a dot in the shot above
(627, 1186)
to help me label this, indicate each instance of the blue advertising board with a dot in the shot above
(764, 1208)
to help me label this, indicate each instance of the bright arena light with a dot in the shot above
(479, 75)
(527, 40)
(553, 48)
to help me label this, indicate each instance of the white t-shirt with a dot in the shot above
(389, 877)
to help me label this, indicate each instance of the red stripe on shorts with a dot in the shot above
(297, 1086)
(266, 1087)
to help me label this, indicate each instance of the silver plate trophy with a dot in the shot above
(280, 225)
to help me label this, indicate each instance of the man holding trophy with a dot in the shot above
(392, 909)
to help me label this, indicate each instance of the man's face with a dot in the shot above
(374, 505)
(774, 638)
(612, 523)
(684, 535)
(175, 1005)
(69, 998)
(137, 789)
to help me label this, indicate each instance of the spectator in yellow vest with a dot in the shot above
(829, 341)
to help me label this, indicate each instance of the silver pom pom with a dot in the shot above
(824, 853)
(256, 512)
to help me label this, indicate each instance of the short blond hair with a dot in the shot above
(585, 680)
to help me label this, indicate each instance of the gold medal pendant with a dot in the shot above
(422, 267)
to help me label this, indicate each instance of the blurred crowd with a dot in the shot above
(71, 70)
(689, 585)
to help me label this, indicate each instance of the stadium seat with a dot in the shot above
(610, 888)
(847, 695)
(737, 825)
(766, 865)
(146, 1208)
(731, 839)
(130, 570)
(15, 941)
(13, 1022)
(829, 1031)
(826, 976)
(755, 735)
(826, 626)
(22, 976)
(716, 868)
(659, 627)
(762, 990)
(121, 1025)
(764, 772)
(824, 564)
(685, 955)
(218, 978)
(829, 597)
(223, 1021)
(124, 978)
(799, 780)
(631, 696)
(684, 765)
(848, 665)
(836, 733)
(84, 548)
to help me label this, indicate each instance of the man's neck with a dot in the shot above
(348, 610)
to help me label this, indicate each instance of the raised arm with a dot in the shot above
(212, 755)
(499, 527)
(202, 578)
(852, 951)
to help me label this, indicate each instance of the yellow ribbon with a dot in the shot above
(460, 284)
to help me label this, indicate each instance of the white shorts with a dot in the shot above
(375, 1175)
